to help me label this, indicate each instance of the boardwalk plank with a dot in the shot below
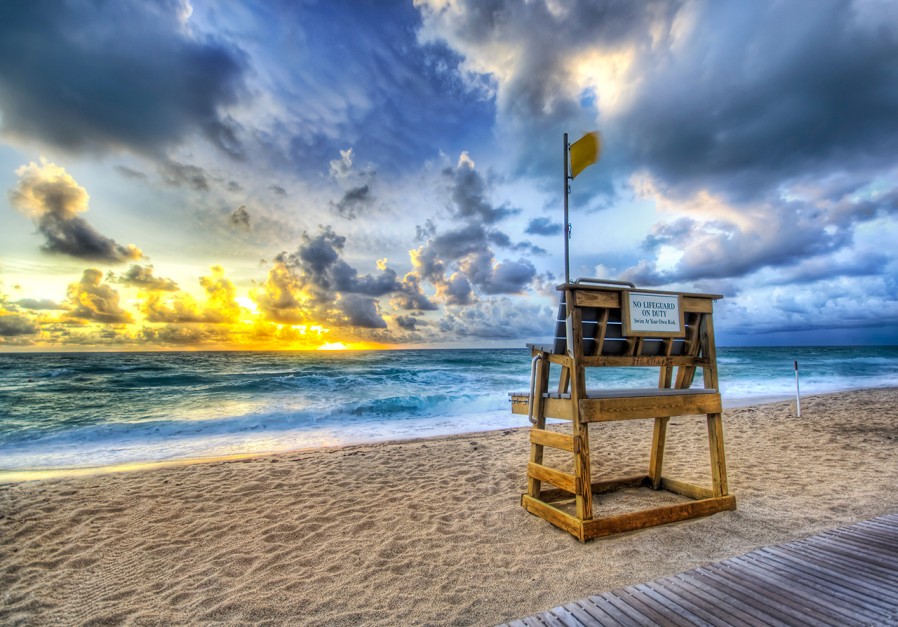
(871, 538)
(628, 609)
(808, 586)
(696, 614)
(878, 556)
(822, 601)
(724, 615)
(768, 586)
(565, 616)
(824, 577)
(677, 615)
(595, 612)
(885, 523)
(882, 524)
(849, 562)
(854, 582)
(734, 606)
(767, 590)
(610, 608)
(869, 583)
(663, 615)
(845, 576)
(552, 620)
(872, 559)
(581, 614)
(875, 526)
(737, 598)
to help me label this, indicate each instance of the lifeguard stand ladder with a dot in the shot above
(612, 324)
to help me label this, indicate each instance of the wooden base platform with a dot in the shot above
(847, 576)
(704, 504)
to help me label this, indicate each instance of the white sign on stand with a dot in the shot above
(654, 315)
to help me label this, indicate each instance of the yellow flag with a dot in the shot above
(584, 152)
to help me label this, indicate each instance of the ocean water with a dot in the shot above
(88, 410)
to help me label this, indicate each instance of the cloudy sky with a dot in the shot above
(293, 175)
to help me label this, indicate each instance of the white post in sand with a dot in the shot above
(797, 395)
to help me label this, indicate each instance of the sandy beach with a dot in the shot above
(426, 532)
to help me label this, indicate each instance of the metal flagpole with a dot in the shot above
(567, 259)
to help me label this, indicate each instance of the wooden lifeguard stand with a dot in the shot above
(606, 324)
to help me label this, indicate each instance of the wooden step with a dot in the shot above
(555, 440)
(559, 479)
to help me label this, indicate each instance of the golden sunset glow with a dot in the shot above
(137, 308)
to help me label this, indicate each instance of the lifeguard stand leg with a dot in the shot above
(656, 461)
(579, 429)
(718, 460)
(539, 411)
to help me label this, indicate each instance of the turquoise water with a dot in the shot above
(64, 410)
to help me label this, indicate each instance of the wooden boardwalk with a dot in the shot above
(847, 576)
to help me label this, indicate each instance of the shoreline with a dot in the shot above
(41, 474)
(428, 531)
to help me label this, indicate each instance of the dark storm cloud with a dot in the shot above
(456, 290)
(782, 90)
(15, 324)
(506, 277)
(225, 133)
(319, 260)
(504, 241)
(533, 249)
(498, 318)
(183, 334)
(94, 76)
(817, 269)
(361, 311)
(76, 238)
(130, 173)
(774, 234)
(468, 193)
(408, 323)
(720, 249)
(468, 249)
(36, 305)
(461, 259)
(53, 200)
(526, 49)
(315, 284)
(459, 242)
(739, 97)
(543, 226)
(354, 202)
(410, 296)
(142, 277)
(427, 230)
(240, 217)
(509, 277)
(183, 174)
